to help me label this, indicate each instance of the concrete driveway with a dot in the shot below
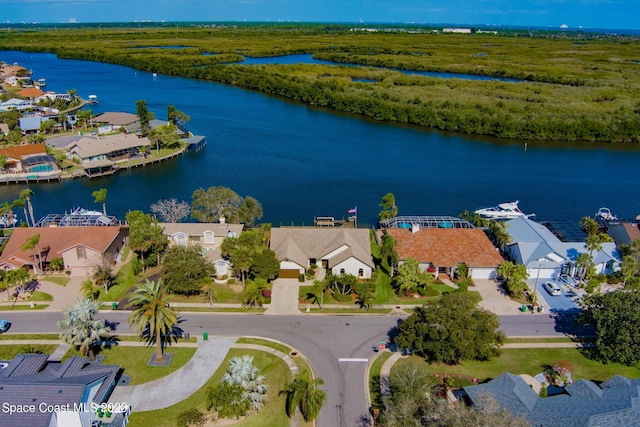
(284, 297)
(494, 298)
(560, 303)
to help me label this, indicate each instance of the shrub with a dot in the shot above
(57, 264)
(136, 265)
(301, 278)
(423, 291)
(543, 391)
(231, 281)
(191, 417)
(342, 297)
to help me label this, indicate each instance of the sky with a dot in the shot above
(608, 14)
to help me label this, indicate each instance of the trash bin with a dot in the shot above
(114, 305)
(205, 336)
(523, 309)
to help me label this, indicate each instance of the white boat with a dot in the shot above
(605, 217)
(507, 210)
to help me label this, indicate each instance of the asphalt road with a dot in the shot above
(323, 339)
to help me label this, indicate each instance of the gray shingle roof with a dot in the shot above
(31, 380)
(616, 403)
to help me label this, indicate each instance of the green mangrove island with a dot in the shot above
(573, 86)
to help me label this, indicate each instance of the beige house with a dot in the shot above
(208, 236)
(337, 250)
(109, 148)
(81, 248)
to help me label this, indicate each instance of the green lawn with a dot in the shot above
(267, 343)
(8, 352)
(223, 294)
(23, 307)
(532, 361)
(30, 337)
(134, 361)
(272, 415)
(58, 280)
(41, 296)
(374, 378)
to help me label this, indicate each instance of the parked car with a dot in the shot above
(4, 325)
(552, 288)
(568, 280)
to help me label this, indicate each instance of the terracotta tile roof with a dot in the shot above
(57, 240)
(23, 150)
(632, 230)
(446, 247)
(31, 92)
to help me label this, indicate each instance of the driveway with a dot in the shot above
(555, 304)
(494, 298)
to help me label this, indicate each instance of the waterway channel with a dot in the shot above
(301, 161)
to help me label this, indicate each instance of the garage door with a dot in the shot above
(289, 273)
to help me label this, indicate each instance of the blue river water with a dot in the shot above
(302, 161)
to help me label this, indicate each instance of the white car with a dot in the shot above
(553, 288)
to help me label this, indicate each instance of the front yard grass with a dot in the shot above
(374, 378)
(134, 361)
(273, 414)
(531, 361)
(125, 280)
(58, 280)
(9, 351)
(223, 294)
(41, 296)
(23, 307)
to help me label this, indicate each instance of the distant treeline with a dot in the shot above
(575, 90)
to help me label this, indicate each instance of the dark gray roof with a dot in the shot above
(31, 380)
(616, 403)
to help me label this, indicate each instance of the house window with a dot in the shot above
(181, 240)
(342, 271)
(360, 272)
(208, 237)
(81, 252)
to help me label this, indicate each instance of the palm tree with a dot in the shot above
(152, 314)
(79, 328)
(18, 278)
(21, 203)
(303, 393)
(32, 243)
(242, 373)
(26, 194)
(100, 196)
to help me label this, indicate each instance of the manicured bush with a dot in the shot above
(301, 278)
(231, 281)
(191, 417)
(342, 297)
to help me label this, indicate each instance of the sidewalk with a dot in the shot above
(178, 385)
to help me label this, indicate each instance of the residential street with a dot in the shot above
(323, 339)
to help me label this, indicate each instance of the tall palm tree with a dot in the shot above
(100, 196)
(152, 314)
(303, 393)
(26, 194)
(22, 204)
(33, 244)
(79, 328)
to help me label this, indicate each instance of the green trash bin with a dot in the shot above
(524, 308)
(114, 305)
(205, 336)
